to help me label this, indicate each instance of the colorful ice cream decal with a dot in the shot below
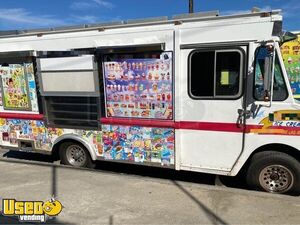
(291, 56)
(139, 87)
(285, 122)
(43, 137)
(18, 86)
(138, 144)
(15, 88)
(29, 73)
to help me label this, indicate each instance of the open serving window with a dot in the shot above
(69, 86)
(139, 85)
(68, 76)
(17, 81)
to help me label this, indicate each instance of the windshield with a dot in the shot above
(291, 57)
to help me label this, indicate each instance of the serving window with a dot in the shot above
(139, 85)
(70, 90)
(69, 76)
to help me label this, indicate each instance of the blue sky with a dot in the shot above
(26, 14)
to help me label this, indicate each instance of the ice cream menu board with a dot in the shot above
(291, 56)
(139, 88)
(14, 87)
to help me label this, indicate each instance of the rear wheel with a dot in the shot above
(75, 154)
(274, 172)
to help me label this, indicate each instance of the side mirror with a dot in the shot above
(287, 36)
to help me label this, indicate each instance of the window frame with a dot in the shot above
(50, 116)
(56, 56)
(242, 53)
(281, 71)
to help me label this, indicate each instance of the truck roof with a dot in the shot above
(176, 19)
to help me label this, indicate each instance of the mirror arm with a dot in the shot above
(269, 70)
(267, 96)
(273, 73)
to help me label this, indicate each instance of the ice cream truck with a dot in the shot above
(199, 92)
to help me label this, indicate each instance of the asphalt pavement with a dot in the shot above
(125, 194)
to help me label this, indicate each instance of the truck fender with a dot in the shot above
(79, 139)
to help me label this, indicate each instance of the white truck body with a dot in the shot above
(208, 137)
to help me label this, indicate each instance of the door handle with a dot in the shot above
(241, 115)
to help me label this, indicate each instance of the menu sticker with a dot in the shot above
(31, 86)
(139, 88)
(14, 87)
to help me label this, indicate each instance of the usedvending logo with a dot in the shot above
(31, 211)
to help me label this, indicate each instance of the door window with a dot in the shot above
(215, 74)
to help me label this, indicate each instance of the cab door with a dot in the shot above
(211, 102)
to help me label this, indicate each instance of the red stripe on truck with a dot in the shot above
(204, 126)
(22, 116)
(186, 125)
(189, 125)
(138, 122)
(210, 126)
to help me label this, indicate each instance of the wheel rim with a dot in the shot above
(276, 179)
(76, 155)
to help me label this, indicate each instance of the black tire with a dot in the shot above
(274, 172)
(82, 160)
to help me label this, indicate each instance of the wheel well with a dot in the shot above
(277, 148)
(55, 148)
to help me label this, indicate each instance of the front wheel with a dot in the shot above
(274, 172)
(75, 154)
